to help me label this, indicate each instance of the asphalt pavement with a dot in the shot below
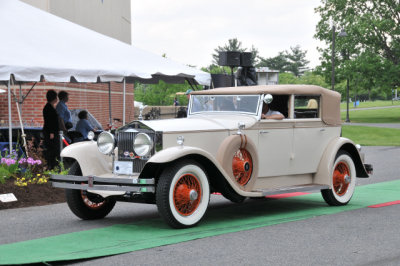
(359, 237)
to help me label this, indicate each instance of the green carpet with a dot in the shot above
(252, 214)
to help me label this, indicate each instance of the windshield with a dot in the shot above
(224, 103)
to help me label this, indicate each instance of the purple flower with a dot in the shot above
(3, 160)
(38, 162)
(10, 162)
(31, 161)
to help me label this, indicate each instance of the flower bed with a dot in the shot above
(30, 195)
(27, 178)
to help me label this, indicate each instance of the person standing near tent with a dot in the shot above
(63, 111)
(50, 130)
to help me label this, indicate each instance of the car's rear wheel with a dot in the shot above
(343, 181)
(183, 193)
(86, 205)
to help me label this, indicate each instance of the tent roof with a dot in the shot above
(36, 43)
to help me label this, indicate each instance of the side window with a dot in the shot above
(306, 106)
(280, 104)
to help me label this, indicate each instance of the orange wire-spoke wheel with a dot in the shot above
(242, 166)
(187, 194)
(92, 203)
(341, 178)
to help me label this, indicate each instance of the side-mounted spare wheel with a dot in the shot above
(237, 155)
(86, 205)
(183, 194)
(343, 180)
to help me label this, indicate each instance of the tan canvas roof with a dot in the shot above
(330, 100)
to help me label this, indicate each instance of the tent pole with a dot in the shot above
(20, 119)
(109, 102)
(9, 117)
(124, 100)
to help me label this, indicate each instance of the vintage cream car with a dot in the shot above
(223, 146)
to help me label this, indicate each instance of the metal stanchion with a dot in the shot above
(60, 133)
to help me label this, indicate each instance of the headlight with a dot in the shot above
(105, 142)
(90, 135)
(142, 144)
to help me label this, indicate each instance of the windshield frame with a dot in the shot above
(211, 112)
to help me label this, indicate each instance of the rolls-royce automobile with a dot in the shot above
(224, 145)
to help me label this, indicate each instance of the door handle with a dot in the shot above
(264, 132)
(323, 129)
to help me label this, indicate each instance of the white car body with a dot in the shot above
(269, 156)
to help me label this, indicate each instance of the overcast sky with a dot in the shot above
(188, 31)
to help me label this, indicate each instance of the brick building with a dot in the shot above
(93, 97)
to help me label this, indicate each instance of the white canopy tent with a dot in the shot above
(36, 45)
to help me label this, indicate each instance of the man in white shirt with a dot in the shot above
(271, 114)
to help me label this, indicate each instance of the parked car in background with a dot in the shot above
(223, 146)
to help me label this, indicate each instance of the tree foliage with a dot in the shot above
(311, 78)
(372, 45)
(293, 61)
(161, 93)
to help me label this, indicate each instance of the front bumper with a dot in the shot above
(127, 184)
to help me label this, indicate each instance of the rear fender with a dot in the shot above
(324, 172)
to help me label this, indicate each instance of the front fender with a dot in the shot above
(323, 175)
(91, 161)
(175, 153)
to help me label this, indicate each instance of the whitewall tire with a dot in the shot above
(183, 194)
(343, 181)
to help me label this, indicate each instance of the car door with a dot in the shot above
(311, 135)
(275, 143)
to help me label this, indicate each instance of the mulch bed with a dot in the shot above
(31, 195)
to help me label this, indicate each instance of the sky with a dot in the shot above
(188, 31)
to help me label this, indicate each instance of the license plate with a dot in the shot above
(123, 168)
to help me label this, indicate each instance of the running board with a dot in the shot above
(302, 188)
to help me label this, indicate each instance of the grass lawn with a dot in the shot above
(372, 136)
(370, 104)
(389, 115)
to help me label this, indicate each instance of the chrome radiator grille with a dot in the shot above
(126, 151)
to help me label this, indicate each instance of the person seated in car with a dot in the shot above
(83, 126)
(271, 114)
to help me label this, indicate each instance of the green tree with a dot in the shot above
(372, 44)
(278, 62)
(293, 61)
(161, 93)
(297, 63)
(311, 78)
(287, 78)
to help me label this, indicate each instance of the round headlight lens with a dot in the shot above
(90, 135)
(105, 142)
(142, 144)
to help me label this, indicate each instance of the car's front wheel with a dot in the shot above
(86, 205)
(343, 181)
(183, 194)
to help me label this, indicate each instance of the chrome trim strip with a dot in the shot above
(110, 180)
(150, 189)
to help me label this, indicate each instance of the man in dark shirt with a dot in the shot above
(50, 130)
